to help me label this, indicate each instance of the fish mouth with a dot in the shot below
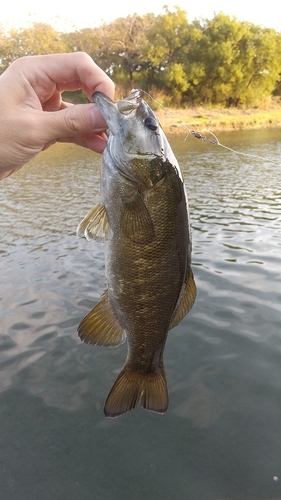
(133, 101)
(111, 110)
(124, 106)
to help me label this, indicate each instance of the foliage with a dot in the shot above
(220, 61)
(40, 39)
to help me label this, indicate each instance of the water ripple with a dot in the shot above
(222, 361)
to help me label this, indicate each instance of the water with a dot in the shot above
(220, 439)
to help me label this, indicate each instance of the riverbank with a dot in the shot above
(213, 119)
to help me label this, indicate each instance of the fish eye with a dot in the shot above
(151, 123)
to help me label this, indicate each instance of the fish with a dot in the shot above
(144, 219)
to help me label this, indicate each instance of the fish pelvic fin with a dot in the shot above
(186, 302)
(95, 224)
(131, 387)
(101, 326)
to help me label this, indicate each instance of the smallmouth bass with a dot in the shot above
(143, 216)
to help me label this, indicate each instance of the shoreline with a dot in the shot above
(216, 119)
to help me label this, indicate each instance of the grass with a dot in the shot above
(199, 118)
(210, 118)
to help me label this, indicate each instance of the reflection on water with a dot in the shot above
(207, 396)
(220, 438)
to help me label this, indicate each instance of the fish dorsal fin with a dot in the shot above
(95, 225)
(135, 220)
(101, 326)
(186, 302)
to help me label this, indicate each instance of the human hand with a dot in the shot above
(33, 115)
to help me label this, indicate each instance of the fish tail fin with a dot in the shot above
(131, 387)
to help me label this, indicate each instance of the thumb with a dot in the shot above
(71, 121)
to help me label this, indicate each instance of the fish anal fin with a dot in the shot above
(101, 327)
(131, 387)
(186, 302)
(135, 221)
(95, 224)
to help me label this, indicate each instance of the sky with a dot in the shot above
(65, 15)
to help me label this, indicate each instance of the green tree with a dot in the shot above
(233, 62)
(39, 39)
(262, 64)
(87, 40)
(219, 61)
(214, 58)
(166, 48)
(116, 47)
(126, 38)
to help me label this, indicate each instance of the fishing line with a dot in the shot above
(197, 135)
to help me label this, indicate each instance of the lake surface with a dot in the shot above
(221, 436)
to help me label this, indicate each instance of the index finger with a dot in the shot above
(63, 69)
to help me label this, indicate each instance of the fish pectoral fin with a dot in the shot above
(131, 387)
(135, 220)
(95, 225)
(186, 302)
(101, 327)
